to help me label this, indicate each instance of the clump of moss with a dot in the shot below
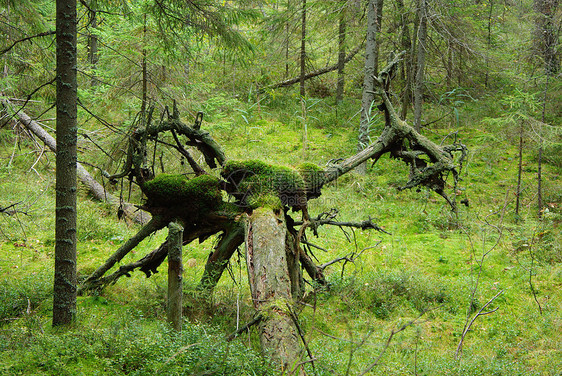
(313, 176)
(254, 183)
(199, 194)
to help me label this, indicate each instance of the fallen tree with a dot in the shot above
(95, 188)
(277, 250)
(316, 73)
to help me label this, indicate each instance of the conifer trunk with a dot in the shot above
(64, 295)
(418, 91)
(303, 49)
(368, 80)
(341, 54)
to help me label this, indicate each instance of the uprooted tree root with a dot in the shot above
(257, 213)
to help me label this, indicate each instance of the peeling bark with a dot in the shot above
(270, 286)
(175, 276)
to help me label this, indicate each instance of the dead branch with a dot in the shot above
(256, 320)
(478, 314)
(39, 35)
(389, 340)
(94, 187)
(316, 73)
(155, 224)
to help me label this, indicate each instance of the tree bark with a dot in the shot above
(368, 79)
(175, 275)
(421, 49)
(407, 67)
(64, 295)
(547, 34)
(231, 239)
(303, 49)
(270, 286)
(93, 47)
(341, 52)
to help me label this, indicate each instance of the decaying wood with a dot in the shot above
(155, 224)
(175, 276)
(93, 186)
(270, 286)
(316, 73)
(231, 239)
(273, 253)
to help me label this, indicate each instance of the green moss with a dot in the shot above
(255, 182)
(201, 193)
(313, 176)
(265, 201)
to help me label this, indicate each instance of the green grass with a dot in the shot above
(428, 264)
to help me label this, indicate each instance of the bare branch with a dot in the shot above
(481, 312)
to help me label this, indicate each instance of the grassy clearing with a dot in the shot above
(428, 264)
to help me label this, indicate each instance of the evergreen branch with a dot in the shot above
(43, 34)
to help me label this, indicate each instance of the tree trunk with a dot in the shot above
(64, 295)
(175, 275)
(93, 48)
(489, 43)
(380, 4)
(421, 49)
(407, 68)
(519, 171)
(270, 285)
(368, 79)
(341, 53)
(547, 34)
(303, 49)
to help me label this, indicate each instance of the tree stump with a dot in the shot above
(175, 272)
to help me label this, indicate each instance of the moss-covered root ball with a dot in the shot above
(200, 194)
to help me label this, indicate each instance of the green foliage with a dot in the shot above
(23, 296)
(129, 348)
(389, 291)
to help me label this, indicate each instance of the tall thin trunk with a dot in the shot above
(341, 53)
(287, 42)
(93, 48)
(368, 80)
(303, 49)
(489, 43)
(421, 49)
(64, 296)
(144, 73)
(378, 25)
(519, 170)
(407, 70)
(547, 34)
(539, 167)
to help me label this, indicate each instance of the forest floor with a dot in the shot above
(432, 273)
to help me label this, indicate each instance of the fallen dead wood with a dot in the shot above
(316, 73)
(93, 186)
